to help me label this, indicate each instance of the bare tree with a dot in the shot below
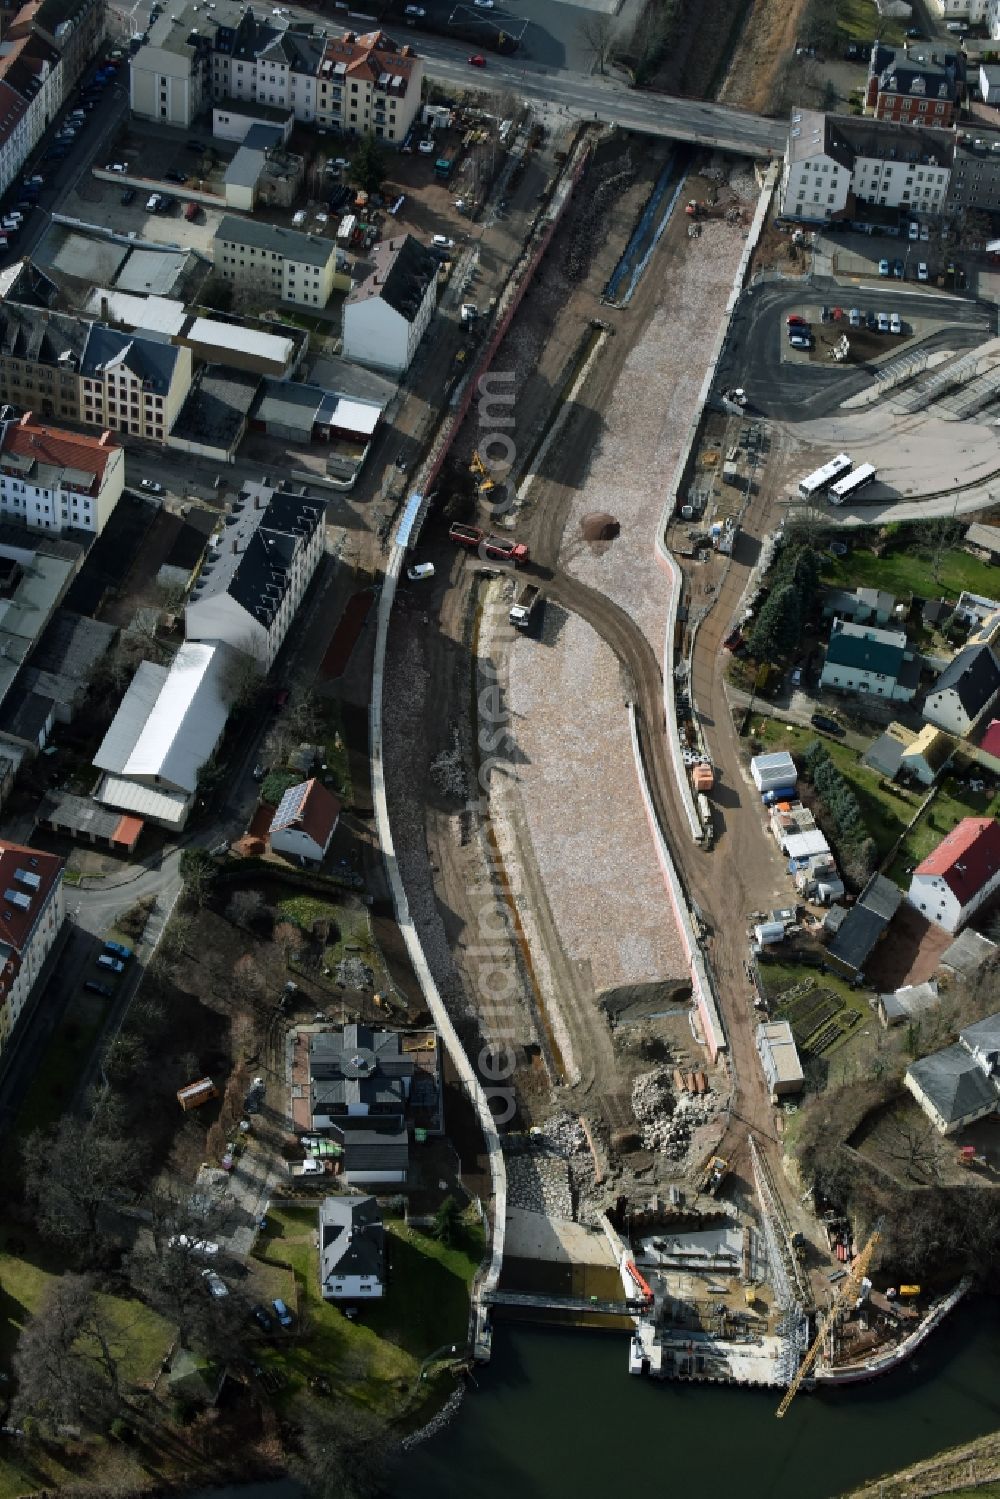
(67, 1360)
(248, 981)
(70, 1172)
(913, 1145)
(288, 939)
(346, 1450)
(245, 907)
(599, 36)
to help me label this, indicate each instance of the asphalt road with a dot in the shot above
(791, 391)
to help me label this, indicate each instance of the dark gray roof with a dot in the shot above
(215, 411)
(79, 814)
(26, 715)
(974, 676)
(72, 643)
(968, 952)
(191, 539)
(848, 137)
(983, 1038)
(257, 549)
(38, 336)
(954, 1084)
(403, 270)
(380, 1144)
(351, 1238)
(150, 360)
(884, 754)
(865, 922)
(304, 249)
(936, 610)
(358, 1051)
(881, 896)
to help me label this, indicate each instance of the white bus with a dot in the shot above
(823, 477)
(862, 475)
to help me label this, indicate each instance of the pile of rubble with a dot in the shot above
(667, 1120)
(541, 1184)
(447, 770)
(551, 1168)
(355, 974)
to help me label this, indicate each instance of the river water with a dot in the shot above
(557, 1416)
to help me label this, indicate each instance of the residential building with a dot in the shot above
(32, 912)
(863, 607)
(351, 1249)
(951, 1088)
(862, 659)
(358, 1072)
(54, 480)
(14, 142)
(40, 354)
(928, 754)
(917, 84)
(834, 162)
(975, 177)
(976, 610)
(387, 314)
(289, 266)
(45, 48)
(36, 570)
(304, 822)
(133, 383)
(369, 84)
(375, 1152)
(779, 1059)
(967, 954)
(961, 1084)
(166, 730)
(856, 936)
(989, 83)
(960, 876)
(170, 76)
(965, 690)
(257, 571)
(987, 751)
(972, 12)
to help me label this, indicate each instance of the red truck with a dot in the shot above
(498, 547)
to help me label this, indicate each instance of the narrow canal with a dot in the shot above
(556, 1416)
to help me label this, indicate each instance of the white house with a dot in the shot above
(164, 733)
(351, 1249)
(386, 316)
(32, 912)
(830, 159)
(860, 658)
(257, 569)
(287, 265)
(965, 690)
(960, 875)
(304, 822)
(53, 480)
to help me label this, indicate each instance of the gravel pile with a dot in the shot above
(541, 1184)
(448, 772)
(667, 1121)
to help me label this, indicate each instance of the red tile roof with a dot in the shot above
(968, 858)
(310, 809)
(12, 109)
(17, 918)
(990, 741)
(29, 439)
(373, 53)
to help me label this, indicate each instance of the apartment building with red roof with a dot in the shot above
(960, 876)
(369, 84)
(32, 913)
(54, 480)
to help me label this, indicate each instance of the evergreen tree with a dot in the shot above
(368, 166)
(776, 632)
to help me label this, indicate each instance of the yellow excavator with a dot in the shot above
(478, 467)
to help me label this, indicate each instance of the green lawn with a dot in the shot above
(376, 1359)
(949, 806)
(859, 21)
(335, 756)
(909, 572)
(886, 812)
(303, 910)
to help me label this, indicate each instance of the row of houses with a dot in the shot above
(195, 55)
(45, 48)
(907, 157)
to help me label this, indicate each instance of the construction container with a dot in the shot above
(689, 1082)
(195, 1094)
(701, 1081)
(770, 772)
(769, 932)
(909, 1290)
(678, 1080)
(703, 776)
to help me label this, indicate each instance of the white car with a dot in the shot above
(914, 229)
(420, 570)
(483, 4)
(800, 340)
(216, 1285)
(922, 272)
(414, 10)
(426, 148)
(312, 1167)
(442, 242)
(883, 322)
(895, 325)
(151, 486)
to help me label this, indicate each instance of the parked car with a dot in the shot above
(898, 269)
(828, 725)
(792, 321)
(796, 677)
(883, 322)
(925, 231)
(120, 950)
(477, 61)
(281, 1311)
(732, 640)
(483, 4)
(426, 148)
(175, 176)
(216, 1285)
(825, 315)
(113, 965)
(895, 324)
(922, 272)
(10, 224)
(914, 229)
(313, 1167)
(883, 267)
(414, 10)
(262, 1318)
(854, 317)
(442, 242)
(151, 486)
(800, 340)
(914, 34)
(191, 212)
(128, 196)
(419, 571)
(94, 986)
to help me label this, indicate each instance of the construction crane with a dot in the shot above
(848, 1294)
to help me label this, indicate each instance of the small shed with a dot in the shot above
(908, 1003)
(779, 1058)
(769, 772)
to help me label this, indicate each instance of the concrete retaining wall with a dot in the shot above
(711, 1020)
